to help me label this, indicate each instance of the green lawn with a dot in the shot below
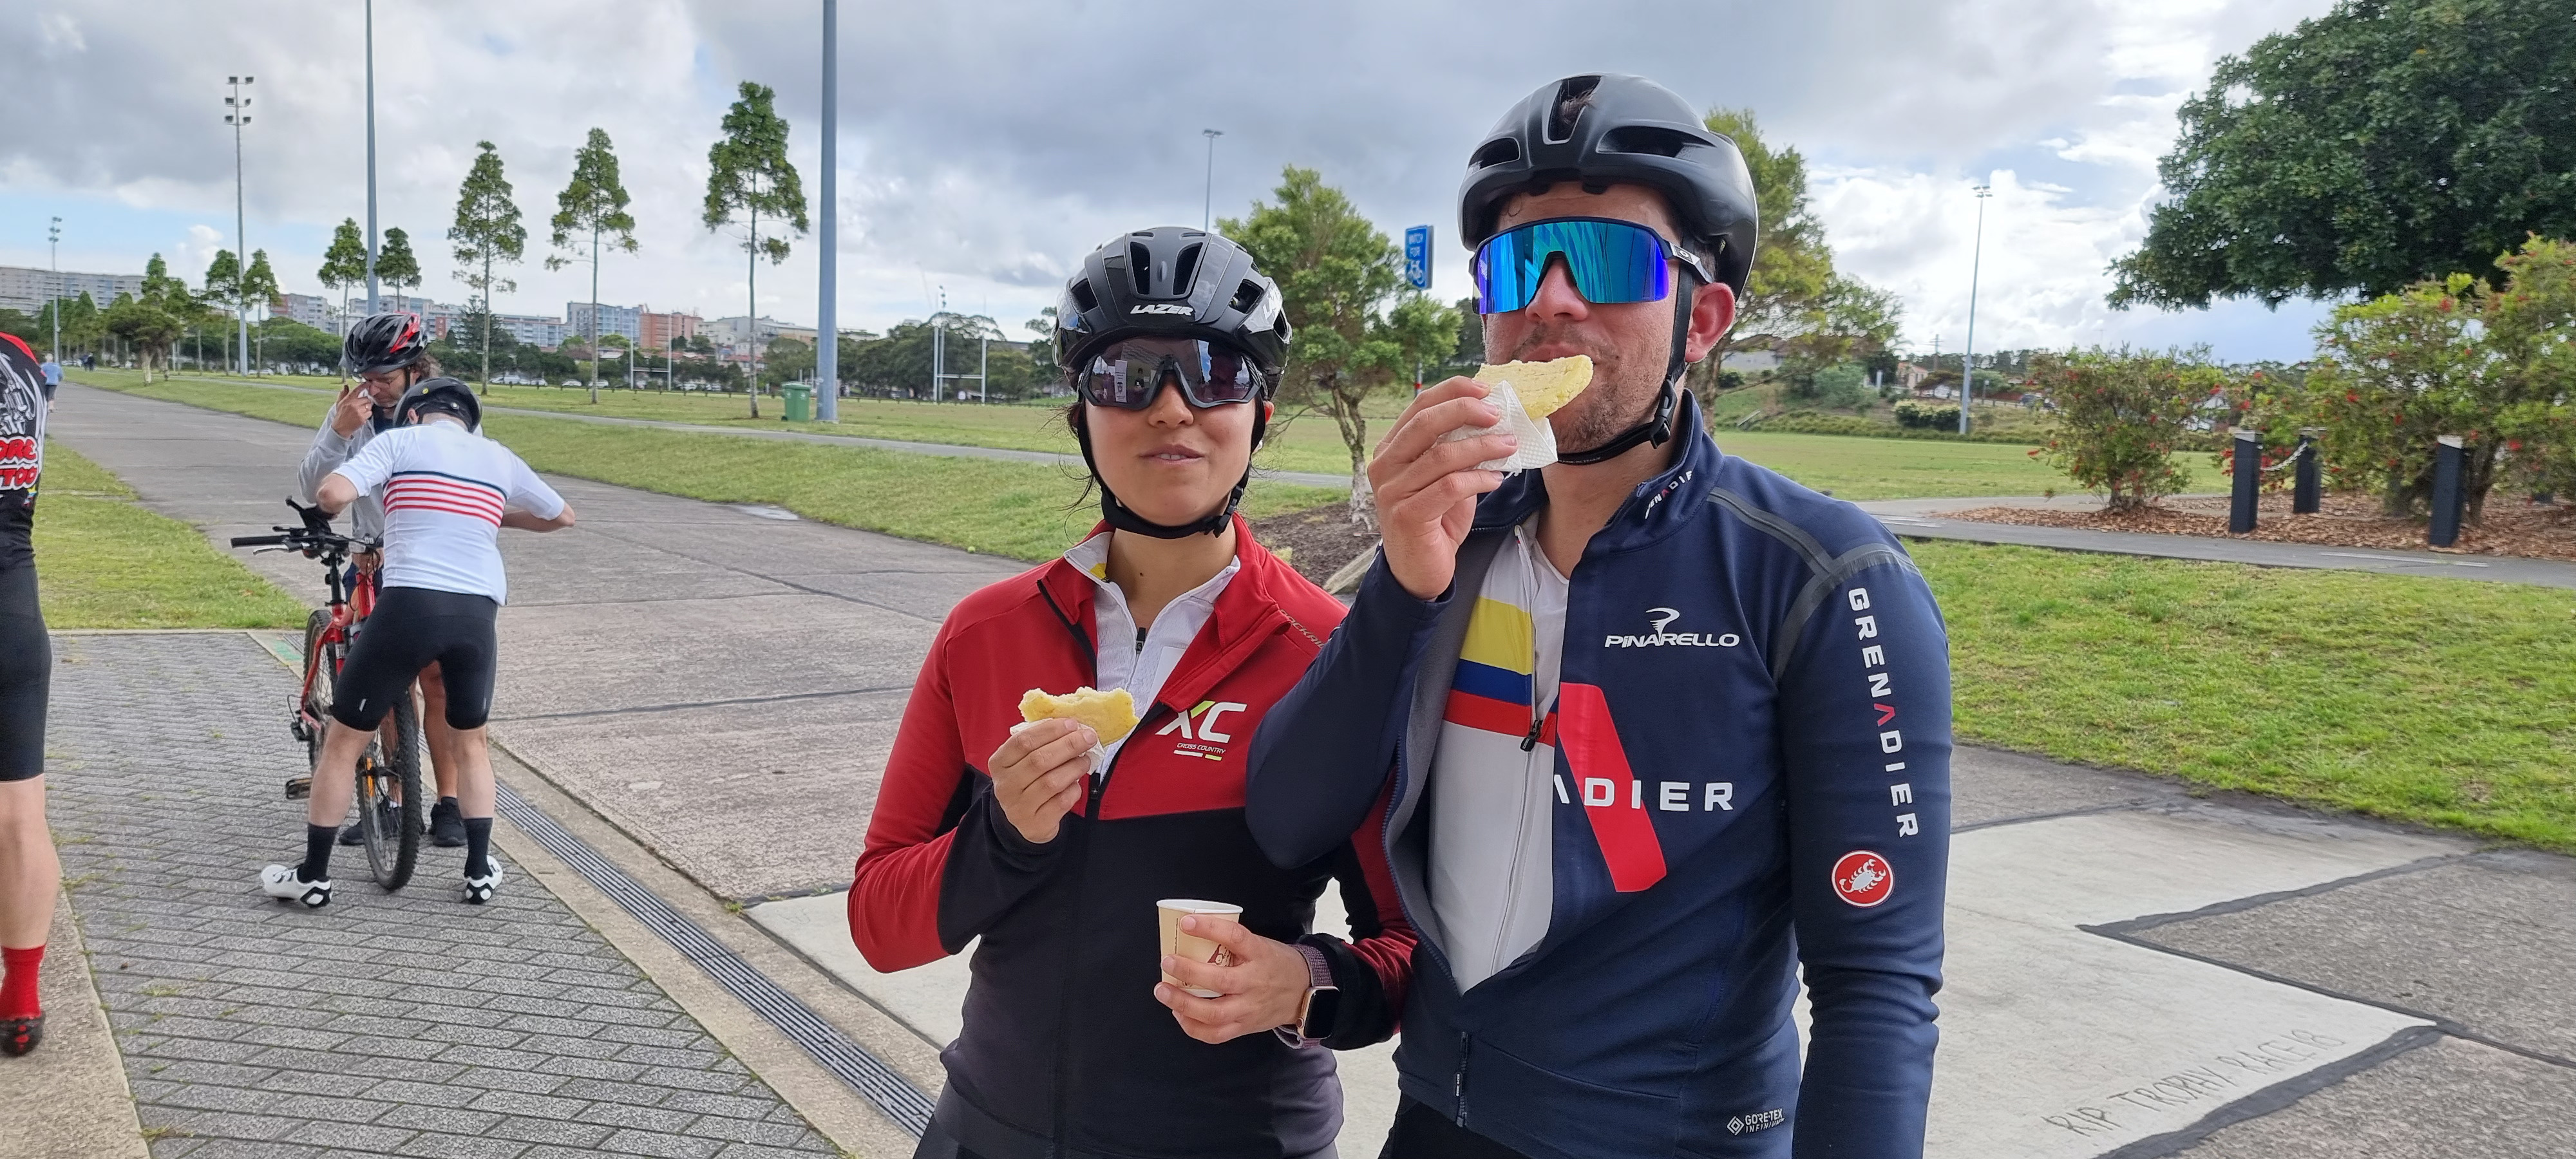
(1021, 510)
(2443, 702)
(104, 562)
(1850, 467)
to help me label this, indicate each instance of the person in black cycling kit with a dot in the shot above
(447, 493)
(29, 871)
(387, 353)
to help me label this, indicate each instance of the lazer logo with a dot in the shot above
(1658, 619)
(1207, 714)
(1160, 308)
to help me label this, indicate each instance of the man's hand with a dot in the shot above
(1261, 990)
(1039, 774)
(352, 410)
(1426, 489)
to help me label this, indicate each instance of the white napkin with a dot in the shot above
(1537, 438)
(1099, 752)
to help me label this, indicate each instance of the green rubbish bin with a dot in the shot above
(800, 403)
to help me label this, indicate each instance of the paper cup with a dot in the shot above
(1170, 911)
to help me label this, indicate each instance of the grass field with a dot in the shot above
(1850, 467)
(103, 562)
(1021, 510)
(2443, 702)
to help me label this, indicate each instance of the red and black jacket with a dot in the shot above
(1065, 1047)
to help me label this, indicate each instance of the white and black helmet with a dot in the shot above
(1172, 282)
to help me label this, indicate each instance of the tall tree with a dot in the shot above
(259, 287)
(1340, 279)
(344, 268)
(487, 231)
(223, 287)
(155, 319)
(595, 204)
(396, 265)
(2386, 142)
(748, 174)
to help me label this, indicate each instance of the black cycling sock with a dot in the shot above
(478, 846)
(318, 840)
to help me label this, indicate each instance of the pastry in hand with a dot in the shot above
(1111, 714)
(1542, 386)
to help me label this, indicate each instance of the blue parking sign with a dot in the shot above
(1417, 256)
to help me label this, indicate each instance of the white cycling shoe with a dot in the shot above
(279, 881)
(478, 890)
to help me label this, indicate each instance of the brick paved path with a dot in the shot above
(406, 1024)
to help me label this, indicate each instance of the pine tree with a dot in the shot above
(748, 173)
(594, 203)
(344, 267)
(396, 266)
(487, 230)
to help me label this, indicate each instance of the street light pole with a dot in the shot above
(1968, 356)
(238, 117)
(1208, 213)
(827, 331)
(373, 304)
(54, 241)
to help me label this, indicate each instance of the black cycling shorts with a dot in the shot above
(26, 675)
(411, 629)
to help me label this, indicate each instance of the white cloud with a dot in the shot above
(988, 145)
(57, 34)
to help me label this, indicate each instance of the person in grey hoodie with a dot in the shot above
(388, 353)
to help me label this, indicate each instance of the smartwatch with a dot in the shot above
(1323, 1002)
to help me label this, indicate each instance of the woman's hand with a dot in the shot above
(1038, 775)
(1261, 991)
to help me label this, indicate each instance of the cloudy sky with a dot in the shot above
(985, 146)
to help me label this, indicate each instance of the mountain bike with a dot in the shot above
(392, 810)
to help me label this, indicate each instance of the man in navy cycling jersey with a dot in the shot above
(447, 493)
(1664, 728)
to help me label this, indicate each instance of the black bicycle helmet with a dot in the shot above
(439, 396)
(1614, 128)
(384, 342)
(1171, 282)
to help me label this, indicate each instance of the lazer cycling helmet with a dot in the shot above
(384, 342)
(1607, 129)
(1170, 301)
(438, 396)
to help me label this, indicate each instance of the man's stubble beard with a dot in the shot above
(1619, 398)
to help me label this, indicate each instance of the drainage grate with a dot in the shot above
(870, 1076)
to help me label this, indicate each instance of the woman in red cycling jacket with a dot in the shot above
(1051, 859)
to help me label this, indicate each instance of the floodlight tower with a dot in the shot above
(238, 117)
(1968, 355)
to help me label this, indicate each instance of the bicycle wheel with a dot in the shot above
(316, 721)
(391, 813)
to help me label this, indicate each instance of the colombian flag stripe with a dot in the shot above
(1493, 683)
(1500, 636)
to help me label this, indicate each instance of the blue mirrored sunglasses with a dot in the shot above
(1610, 261)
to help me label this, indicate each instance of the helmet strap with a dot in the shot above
(1124, 518)
(1659, 429)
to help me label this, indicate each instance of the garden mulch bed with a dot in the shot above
(2513, 525)
(1319, 540)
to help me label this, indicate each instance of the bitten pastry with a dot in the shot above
(1111, 714)
(1542, 386)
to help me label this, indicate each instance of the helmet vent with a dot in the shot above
(1499, 151)
(1185, 270)
(1572, 97)
(1083, 297)
(1646, 139)
(1140, 268)
(1246, 296)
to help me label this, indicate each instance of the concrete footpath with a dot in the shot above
(2133, 970)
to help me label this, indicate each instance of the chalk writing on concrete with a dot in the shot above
(2223, 1079)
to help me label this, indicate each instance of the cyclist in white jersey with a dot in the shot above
(447, 493)
(388, 353)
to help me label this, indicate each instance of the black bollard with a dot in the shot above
(2447, 459)
(2307, 491)
(2249, 482)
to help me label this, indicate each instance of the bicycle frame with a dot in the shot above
(353, 599)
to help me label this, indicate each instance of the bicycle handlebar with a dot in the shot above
(258, 540)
